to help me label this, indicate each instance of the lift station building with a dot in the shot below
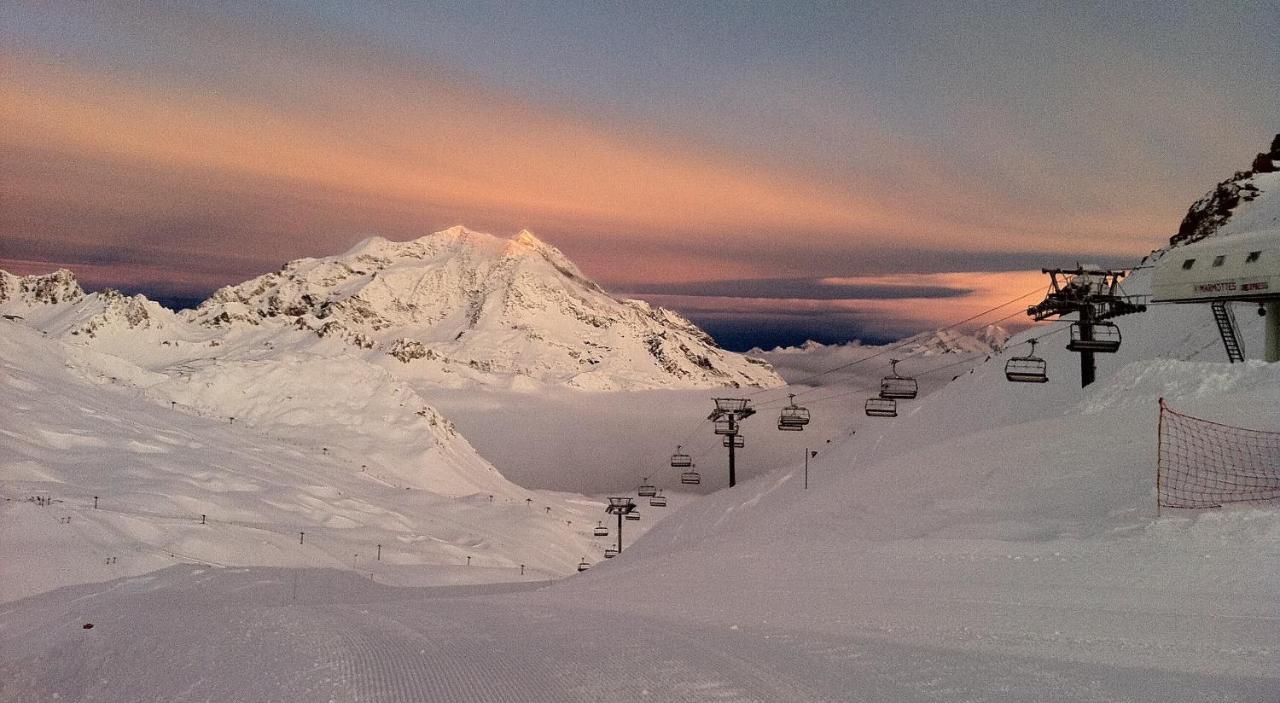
(1237, 268)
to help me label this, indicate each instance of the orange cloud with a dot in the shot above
(433, 145)
(992, 298)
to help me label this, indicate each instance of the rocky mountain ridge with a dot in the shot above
(1231, 206)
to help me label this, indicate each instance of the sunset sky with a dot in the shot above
(775, 170)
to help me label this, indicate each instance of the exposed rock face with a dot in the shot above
(407, 350)
(60, 286)
(1208, 214)
(118, 309)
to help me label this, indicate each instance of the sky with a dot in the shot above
(776, 171)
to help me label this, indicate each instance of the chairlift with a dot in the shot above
(896, 386)
(633, 515)
(725, 425)
(691, 478)
(680, 460)
(610, 553)
(737, 440)
(793, 417)
(881, 407)
(1103, 337)
(1027, 369)
(600, 530)
(583, 565)
(658, 501)
(646, 490)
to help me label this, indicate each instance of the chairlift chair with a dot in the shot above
(583, 565)
(1027, 369)
(680, 460)
(738, 441)
(896, 386)
(610, 553)
(793, 417)
(600, 530)
(1104, 337)
(646, 490)
(881, 407)
(658, 501)
(726, 426)
(633, 515)
(690, 478)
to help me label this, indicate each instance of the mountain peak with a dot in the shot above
(50, 288)
(524, 241)
(528, 239)
(365, 246)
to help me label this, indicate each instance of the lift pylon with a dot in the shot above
(1094, 295)
(728, 413)
(620, 506)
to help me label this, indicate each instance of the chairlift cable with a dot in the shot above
(699, 454)
(924, 372)
(919, 372)
(900, 345)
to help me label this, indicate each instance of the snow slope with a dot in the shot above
(979, 567)
(264, 634)
(1004, 520)
(604, 442)
(331, 448)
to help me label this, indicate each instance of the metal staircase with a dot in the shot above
(1226, 319)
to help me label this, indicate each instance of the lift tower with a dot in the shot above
(728, 413)
(620, 506)
(1095, 296)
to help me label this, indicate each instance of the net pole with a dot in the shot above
(1159, 453)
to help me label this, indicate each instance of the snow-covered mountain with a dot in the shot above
(452, 309)
(987, 339)
(57, 287)
(990, 338)
(59, 305)
(460, 304)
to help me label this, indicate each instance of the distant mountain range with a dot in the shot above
(983, 341)
(455, 308)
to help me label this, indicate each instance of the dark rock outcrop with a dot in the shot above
(1213, 210)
